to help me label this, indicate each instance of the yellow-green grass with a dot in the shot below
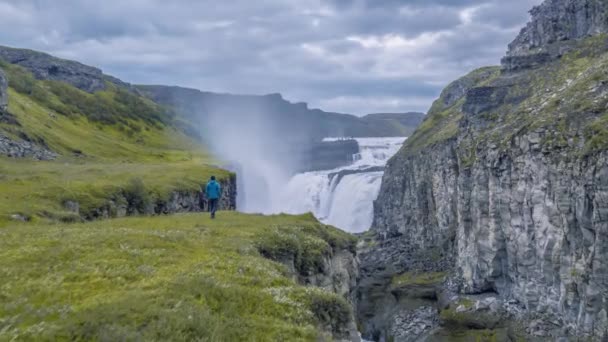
(97, 159)
(94, 140)
(182, 277)
(40, 189)
(418, 279)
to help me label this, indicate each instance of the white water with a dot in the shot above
(345, 202)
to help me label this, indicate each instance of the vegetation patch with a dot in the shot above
(182, 277)
(418, 279)
(563, 101)
(135, 160)
(306, 247)
(481, 335)
(111, 106)
(461, 316)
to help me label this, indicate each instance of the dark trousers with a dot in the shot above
(213, 207)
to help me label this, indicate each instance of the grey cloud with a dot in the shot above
(302, 48)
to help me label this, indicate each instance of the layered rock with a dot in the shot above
(3, 92)
(554, 23)
(561, 20)
(47, 67)
(23, 148)
(508, 184)
(121, 204)
(336, 272)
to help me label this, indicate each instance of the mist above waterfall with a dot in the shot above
(269, 142)
(255, 145)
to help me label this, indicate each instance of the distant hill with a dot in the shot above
(398, 124)
(296, 120)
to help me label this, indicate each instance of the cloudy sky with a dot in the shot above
(353, 56)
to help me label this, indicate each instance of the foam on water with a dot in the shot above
(341, 197)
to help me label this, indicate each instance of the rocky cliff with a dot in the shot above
(47, 67)
(23, 147)
(3, 92)
(496, 210)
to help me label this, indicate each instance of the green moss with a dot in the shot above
(442, 122)
(306, 246)
(481, 335)
(596, 135)
(562, 100)
(466, 319)
(182, 277)
(417, 278)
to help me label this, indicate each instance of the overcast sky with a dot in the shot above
(352, 56)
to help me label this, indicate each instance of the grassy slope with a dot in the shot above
(441, 123)
(100, 154)
(178, 277)
(181, 277)
(564, 98)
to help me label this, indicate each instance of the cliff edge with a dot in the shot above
(493, 218)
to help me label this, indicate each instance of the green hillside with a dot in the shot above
(178, 278)
(70, 273)
(105, 141)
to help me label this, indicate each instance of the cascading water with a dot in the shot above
(342, 197)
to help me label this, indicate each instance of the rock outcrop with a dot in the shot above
(505, 192)
(47, 67)
(554, 24)
(23, 148)
(558, 20)
(3, 92)
(328, 155)
(334, 269)
(123, 204)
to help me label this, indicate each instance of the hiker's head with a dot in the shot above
(212, 177)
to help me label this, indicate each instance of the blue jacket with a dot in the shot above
(213, 190)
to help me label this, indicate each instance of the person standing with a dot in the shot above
(213, 192)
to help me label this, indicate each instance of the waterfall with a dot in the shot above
(342, 197)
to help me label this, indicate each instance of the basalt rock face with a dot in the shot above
(185, 201)
(47, 67)
(328, 155)
(337, 273)
(508, 183)
(553, 23)
(3, 93)
(560, 20)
